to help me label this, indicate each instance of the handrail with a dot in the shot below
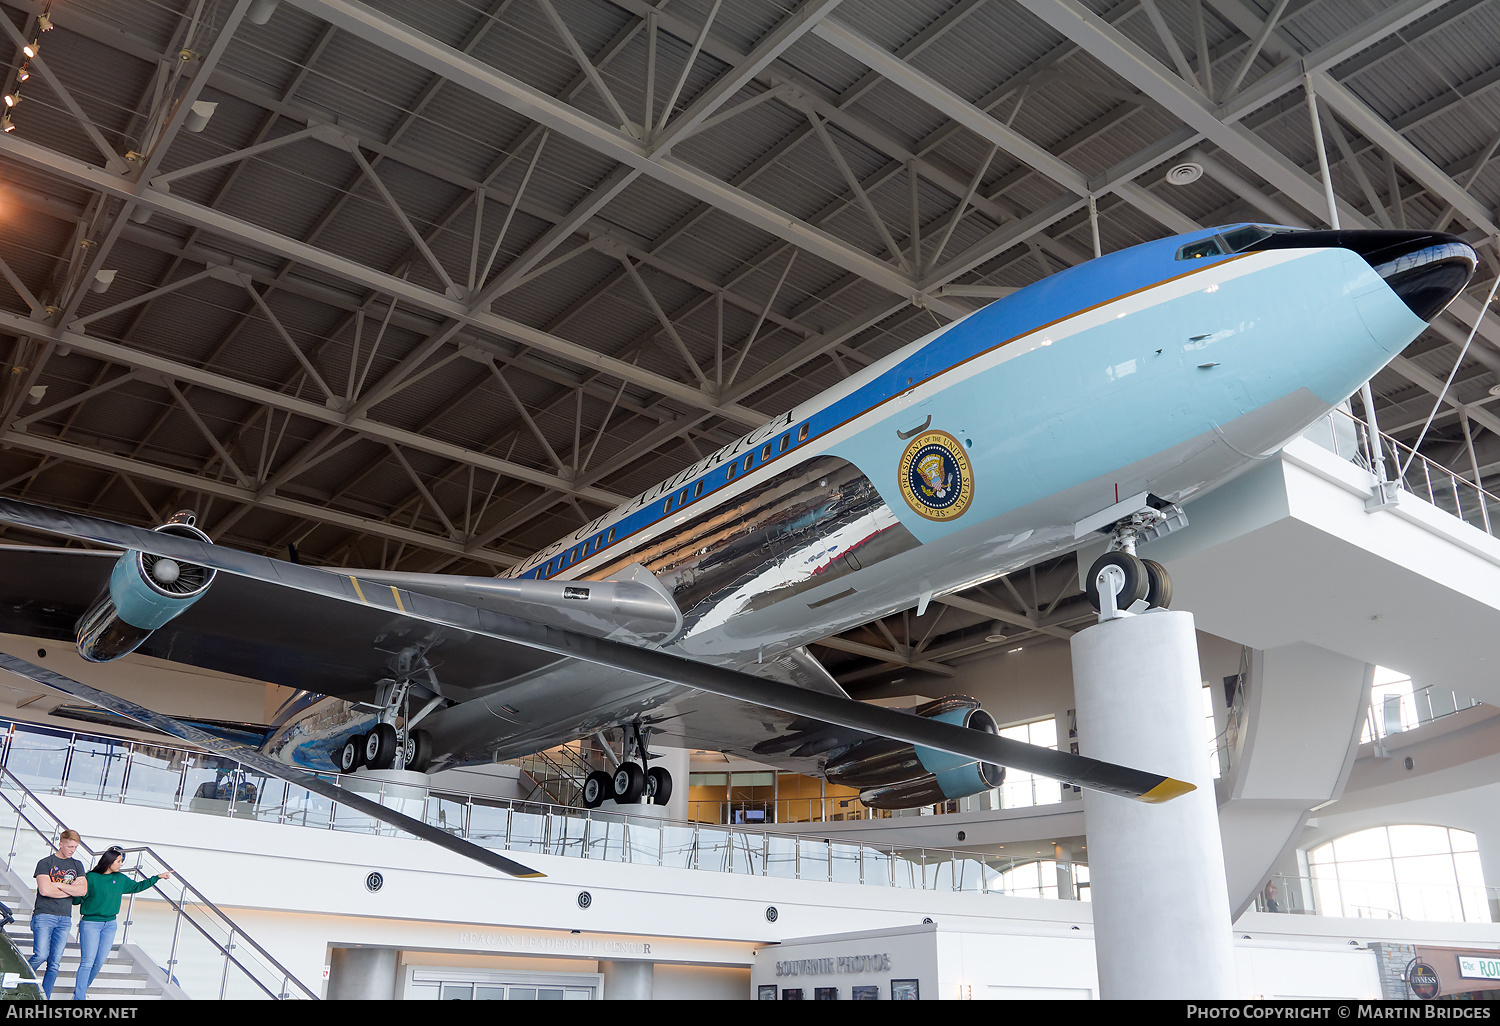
(1458, 486)
(56, 826)
(518, 825)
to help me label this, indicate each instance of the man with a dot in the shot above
(59, 879)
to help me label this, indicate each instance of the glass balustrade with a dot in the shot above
(195, 945)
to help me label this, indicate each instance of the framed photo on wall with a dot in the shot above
(766, 992)
(904, 990)
(866, 993)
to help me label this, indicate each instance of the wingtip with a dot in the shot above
(1168, 789)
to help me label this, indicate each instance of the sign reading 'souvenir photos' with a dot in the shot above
(840, 964)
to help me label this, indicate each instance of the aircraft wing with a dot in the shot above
(442, 613)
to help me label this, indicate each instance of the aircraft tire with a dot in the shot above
(597, 786)
(380, 747)
(1136, 579)
(1159, 585)
(659, 785)
(629, 783)
(418, 750)
(347, 755)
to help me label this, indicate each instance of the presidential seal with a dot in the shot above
(936, 478)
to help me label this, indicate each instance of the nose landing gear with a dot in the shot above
(1120, 583)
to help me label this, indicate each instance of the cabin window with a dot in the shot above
(682, 499)
(750, 461)
(765, 453)
(548, 571)
(611, 535)
(786, 440)
(729, 476)
(802, 433)
(575, 555)
(667, 506)
(698, 489)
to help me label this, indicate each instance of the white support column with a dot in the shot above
(627, 981)
(1156, 872)
(362, 974)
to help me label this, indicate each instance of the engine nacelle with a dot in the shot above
(897, 775)
(144, 592)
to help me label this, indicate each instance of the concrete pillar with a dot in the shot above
(627, 981)
(362, 974)
(1062, 855)
(1156, 872)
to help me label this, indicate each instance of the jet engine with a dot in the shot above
(897, 775)
(144, 592)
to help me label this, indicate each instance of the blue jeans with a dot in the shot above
(94, 941)
(49, 936)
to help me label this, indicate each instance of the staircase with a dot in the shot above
(173, 943)
(126, 976)
(557, 775)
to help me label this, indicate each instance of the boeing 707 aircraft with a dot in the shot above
(1095, 400)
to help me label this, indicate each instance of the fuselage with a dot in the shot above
(977, 448)
(1163, 369)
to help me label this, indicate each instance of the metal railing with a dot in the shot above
(1446, 489)
(207, 954)
(1370, 899)
(1397, 713)
(140, 773)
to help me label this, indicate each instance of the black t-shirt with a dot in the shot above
(58, 871)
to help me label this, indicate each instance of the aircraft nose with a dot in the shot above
(1426, 269)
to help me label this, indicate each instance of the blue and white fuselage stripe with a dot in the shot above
(1127, 355)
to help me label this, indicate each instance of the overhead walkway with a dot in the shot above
(1307, 561)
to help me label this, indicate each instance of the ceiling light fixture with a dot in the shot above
(23, 74)
(32, 48)
(198, 115)
(6, 124)
(103, 280)
(44, 20)
(260, 11)
(11, 99)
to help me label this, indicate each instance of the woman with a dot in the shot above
(101, 906)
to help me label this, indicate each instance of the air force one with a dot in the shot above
(1093, 400)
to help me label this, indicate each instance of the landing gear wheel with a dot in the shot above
(1137, 580)
(629, 783)
(597, 786)
(380, 747)
(347, 757)
(418, 750)
(1159, 586)
(659, 785)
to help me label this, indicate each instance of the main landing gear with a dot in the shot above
(1120, 583)
(387, 746)
(631, 782)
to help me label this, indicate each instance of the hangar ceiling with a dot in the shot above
(440, 280)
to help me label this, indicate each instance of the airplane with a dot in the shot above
(1095, 401)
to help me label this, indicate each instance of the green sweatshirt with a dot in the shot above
(102, 903)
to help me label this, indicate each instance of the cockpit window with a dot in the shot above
(1236, 240)
(1243, 238)
(1208, 247)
